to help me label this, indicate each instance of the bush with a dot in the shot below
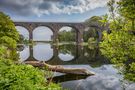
(22, 77)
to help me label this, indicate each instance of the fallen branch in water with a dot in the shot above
(59, 68)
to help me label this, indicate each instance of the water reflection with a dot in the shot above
(106, 78)
(24, 53)
(63, 54)
(42, 52)
(67, 52)
(66, 57)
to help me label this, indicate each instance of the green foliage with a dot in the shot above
(96, 24)
(119, 45)
(8, 35)
(7, 27)
(94, 21)
(92, 43)
(23, 40)
(8, 42)
(3, 52)
(17, 76)
(68, 49)
(22, 77)
(127, 9)
(90, 33)
(67, 36)
(130, 74)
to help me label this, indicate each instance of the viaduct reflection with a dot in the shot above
(82, 55)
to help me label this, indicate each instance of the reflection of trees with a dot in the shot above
(94, 57)
(67, 49)
(90, 53)
(67, 35)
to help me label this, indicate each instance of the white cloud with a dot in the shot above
(41, 7)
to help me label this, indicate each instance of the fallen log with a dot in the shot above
(61, 69)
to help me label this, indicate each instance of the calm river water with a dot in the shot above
(75, 56)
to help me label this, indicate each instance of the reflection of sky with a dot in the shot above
(65, 57)
(24, 54)
(106, 78)
(42, 52)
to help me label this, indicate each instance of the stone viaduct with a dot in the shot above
(55, 27)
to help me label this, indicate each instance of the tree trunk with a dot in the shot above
(58, 68)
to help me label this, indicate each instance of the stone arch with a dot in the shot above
(43, 33)
(23, 31)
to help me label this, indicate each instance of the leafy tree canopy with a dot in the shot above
(119, 45)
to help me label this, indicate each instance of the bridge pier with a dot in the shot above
(30, 35)
(80, 37)
(55, 37)
(31, 57)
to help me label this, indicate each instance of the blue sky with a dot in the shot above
(53, 10)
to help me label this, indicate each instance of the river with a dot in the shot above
(74, 56)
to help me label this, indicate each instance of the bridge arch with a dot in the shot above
(42, 33)
(23, 31)
(68, 33)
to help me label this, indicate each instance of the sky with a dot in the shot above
(53, 10)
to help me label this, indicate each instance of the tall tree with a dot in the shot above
(119, 45)
(127, 9)
(8, 35)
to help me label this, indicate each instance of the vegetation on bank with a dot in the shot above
(14, 75)
(119, 45)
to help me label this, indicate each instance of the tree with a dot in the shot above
(127, 10)
(110, 5)
(14, 75)
(119, 45)
(8, 35)
(96, 24)
(7, 27)
(93, 21)
(67, 36)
